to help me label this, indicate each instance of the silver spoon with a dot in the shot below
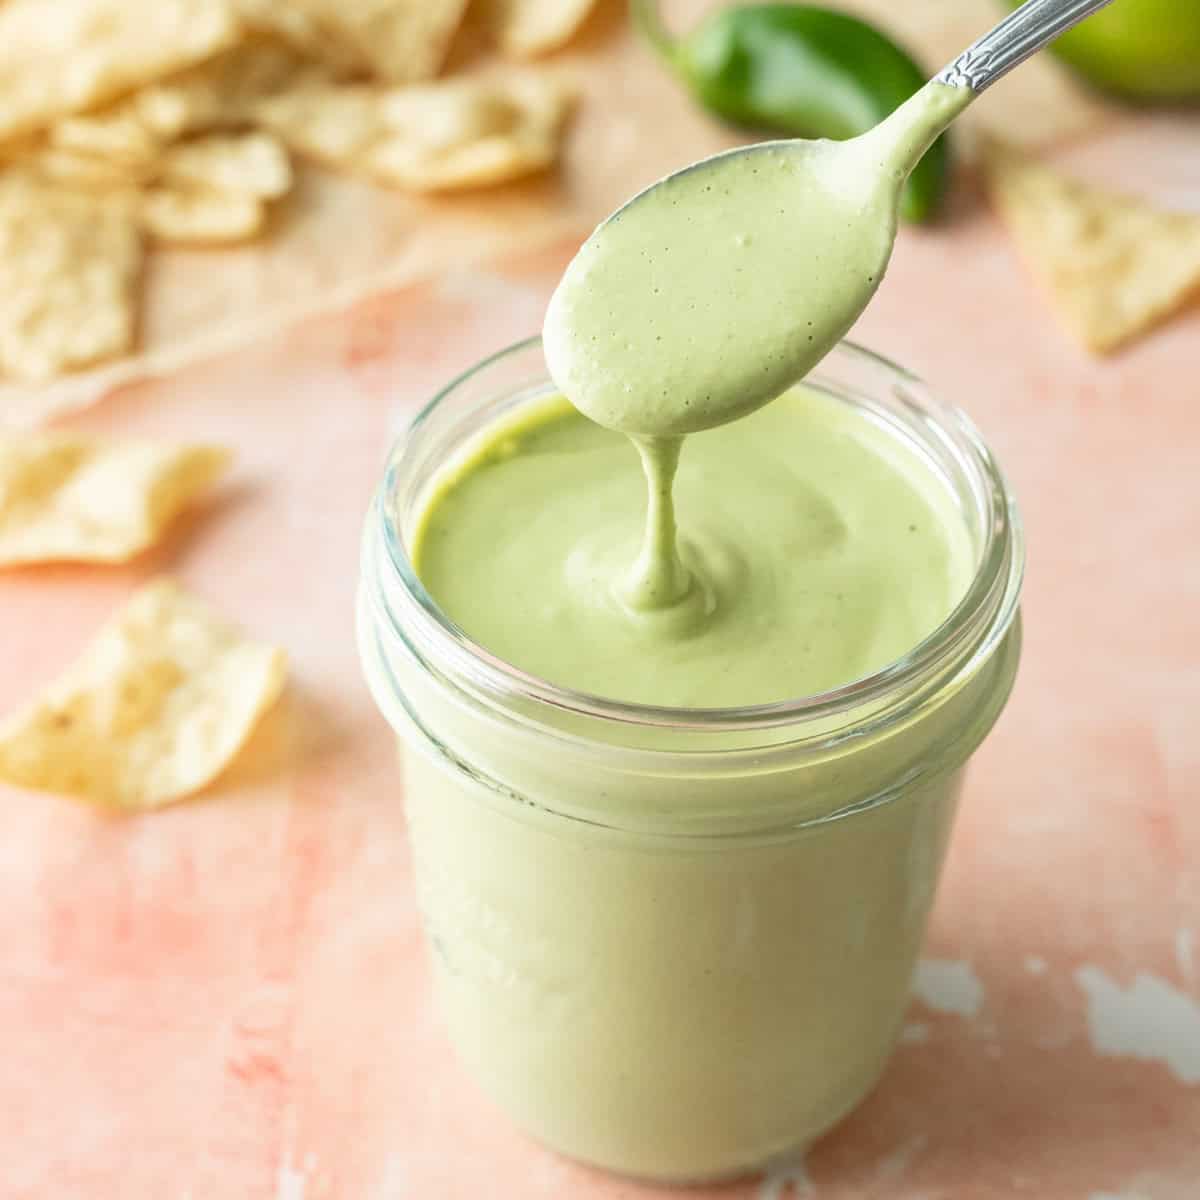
(720, 286)
(1022, 33)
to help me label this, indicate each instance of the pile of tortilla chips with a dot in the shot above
(126, 123)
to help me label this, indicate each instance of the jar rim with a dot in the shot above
(968, 634)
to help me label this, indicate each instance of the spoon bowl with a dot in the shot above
(713, 290)
(721, 285)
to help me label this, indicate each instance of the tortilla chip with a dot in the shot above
(216, 94)
(70, 55)
(118, 136)
(208, 174)
(458, 133)
(1114, 266)
(528, 27)
(245, 164)
(157, 706)
(292, 24)
(77, 172)
(401, 41)
(198, 217)
(69, 270)
(68, 497)
(219, 94)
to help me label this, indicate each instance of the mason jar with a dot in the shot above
(678, 942)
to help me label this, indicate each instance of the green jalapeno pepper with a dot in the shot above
(800, 71)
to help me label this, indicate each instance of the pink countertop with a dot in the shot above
(229, 998)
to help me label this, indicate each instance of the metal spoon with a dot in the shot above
(772, 276)
(1022, 33)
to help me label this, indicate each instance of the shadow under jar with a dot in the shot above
(678, 942)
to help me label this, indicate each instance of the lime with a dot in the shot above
(1141, 49)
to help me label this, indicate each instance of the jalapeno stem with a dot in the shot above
(649, 23)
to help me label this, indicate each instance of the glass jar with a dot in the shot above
(678, 943)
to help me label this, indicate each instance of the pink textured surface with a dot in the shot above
(229, 998)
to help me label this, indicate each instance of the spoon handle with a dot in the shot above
(1020, 34)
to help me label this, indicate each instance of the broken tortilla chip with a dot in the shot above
(401, 41)
(117, 136)
(218, 94)
(1113, 265)
(75, 498)
(155, 708)
(239, 164)
(528, 27)
(294, 26)
(199, 217)
(69, 269)
(208, 182)
(71, 55)
(453, 134)
(76, 172)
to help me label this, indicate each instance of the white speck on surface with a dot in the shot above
(1036, 965)
(1149, 1020)
(1157, 1185)
(915, 1033)
(290, 1182)
(391, 1185)
(1185, 947)
(897, 1163)
(948, 986)
(1183, 198)
(788, 1181)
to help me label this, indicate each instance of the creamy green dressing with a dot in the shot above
(819, 547)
